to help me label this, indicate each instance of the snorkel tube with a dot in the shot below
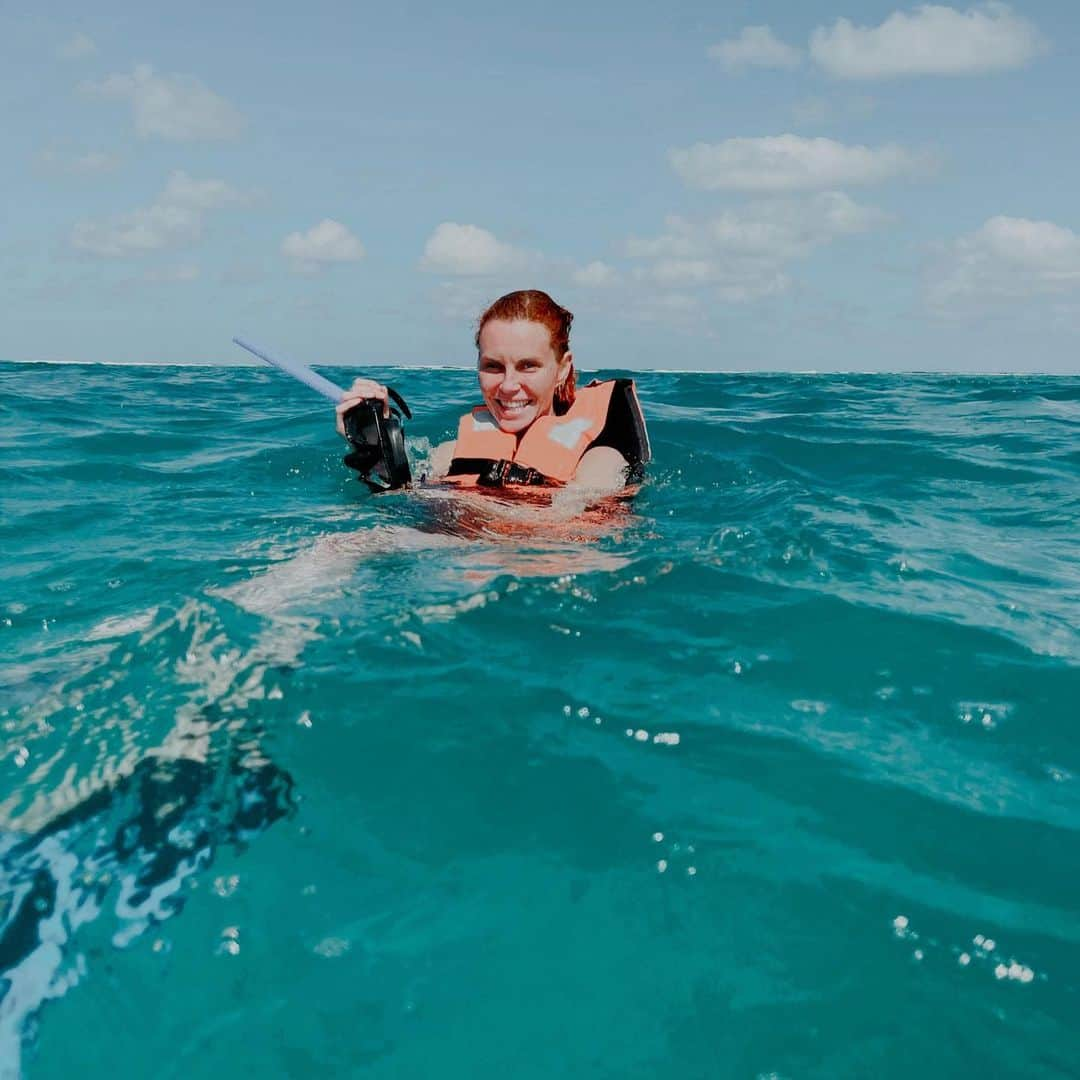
(378, 441)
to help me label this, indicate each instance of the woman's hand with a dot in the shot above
(361, 390)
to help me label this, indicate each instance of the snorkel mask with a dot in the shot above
(378, 442)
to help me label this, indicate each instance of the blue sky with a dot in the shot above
(720, 186)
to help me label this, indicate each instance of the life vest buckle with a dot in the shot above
(498, 473)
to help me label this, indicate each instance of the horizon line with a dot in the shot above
(242, 365)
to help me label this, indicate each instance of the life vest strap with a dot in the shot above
(490, 473)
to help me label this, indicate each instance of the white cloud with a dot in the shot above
(595, 275)
(746, 292)
(791, 163)
(468, 250)
(1006, 259)
(810, 111)
(183, 190)
(931, 40)
(177, 107)
(816, 111)
(669, 308)
(677, 302)
(756, 46)
(172, 275)
(149, 228)
(327, 242)
(174, 219)
(743, 254)
(461, 299)
(90, 163)
(75, 47)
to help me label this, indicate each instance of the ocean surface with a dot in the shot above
(770, 771)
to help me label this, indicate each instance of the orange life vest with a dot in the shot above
(552, 446)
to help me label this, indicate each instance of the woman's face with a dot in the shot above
(519, 371)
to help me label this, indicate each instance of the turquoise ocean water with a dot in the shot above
(771, 772)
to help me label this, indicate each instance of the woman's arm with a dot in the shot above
(602, 469)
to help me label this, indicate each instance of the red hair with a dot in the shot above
(532, 305)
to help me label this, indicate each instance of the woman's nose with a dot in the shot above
(510, 381)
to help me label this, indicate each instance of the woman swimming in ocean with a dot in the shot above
(536, 426)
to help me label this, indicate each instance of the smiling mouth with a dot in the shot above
(513, 406)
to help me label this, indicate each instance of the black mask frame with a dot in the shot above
(378, 442)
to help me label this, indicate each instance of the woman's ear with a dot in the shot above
(564, 386)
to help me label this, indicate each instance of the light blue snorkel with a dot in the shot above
(297, 371)
(378, 442)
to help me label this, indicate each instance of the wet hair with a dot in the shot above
(532, 305)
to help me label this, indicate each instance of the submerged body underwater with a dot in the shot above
(767, 771)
